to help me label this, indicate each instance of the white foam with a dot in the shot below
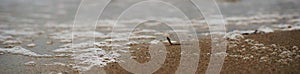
(18, 32)
(142, 37)
(145, 31)
(85, 56)
(82, 45)
(294, 20)
(237, 18)
(97, 57)
(31, 45)
(132, 43)
(295, 28)
(280, 26)
(213, 33)
(174, 42)
(65, 40)
(63, 50)
(68, 35)
(154, 42)
(68, 48)
(116, 40)
(246, 31)
(265, 29)
(103, 44)
(286, 27)
(22, 51)
(12, 42)
(2, 38)
(30, 63)
(235, 35)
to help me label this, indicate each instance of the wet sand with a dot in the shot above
(232, 65)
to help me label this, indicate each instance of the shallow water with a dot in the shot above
(41, 12)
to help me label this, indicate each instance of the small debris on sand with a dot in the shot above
(169, 41)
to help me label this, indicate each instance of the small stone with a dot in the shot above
(295, 48)
(101, 55)
(298, 56)
(251, 56)
(289, 26)
(245, 58)
(270, 50)
(254, 47)
(242, 45)
(263, 59)
(133, 57)
(208, 53)
(273, 53)
(285, 54)
(244, 49)
(273, 45)
(106, 59)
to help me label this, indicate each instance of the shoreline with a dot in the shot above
(235, 64)
(273, 52)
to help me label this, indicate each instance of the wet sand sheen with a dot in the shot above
(231, 64)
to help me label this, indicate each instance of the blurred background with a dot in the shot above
(62, 11)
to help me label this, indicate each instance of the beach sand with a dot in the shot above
(287, 40)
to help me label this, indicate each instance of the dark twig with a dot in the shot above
(169, 40)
